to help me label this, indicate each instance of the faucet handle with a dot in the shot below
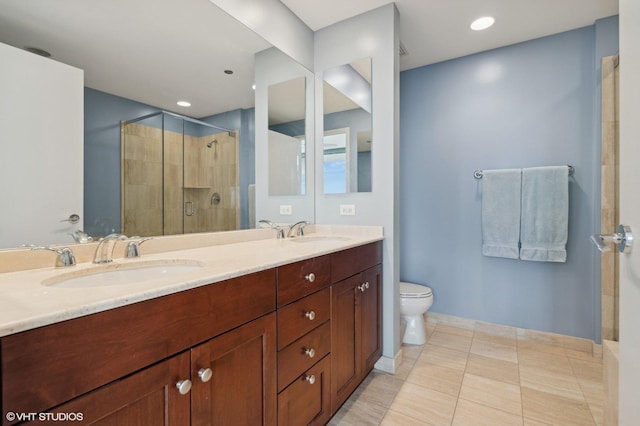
(272, 225)
(133, 247)
(65, 255)
(301, 228)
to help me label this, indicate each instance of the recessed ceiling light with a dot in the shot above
(253, 86)
(184, 103)
(482, 23)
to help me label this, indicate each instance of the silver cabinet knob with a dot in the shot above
(184, 386)
(311, 315)
(205, 374)
(311, 379)
(366, 284)
(362, 287)
(310, 352)
(310, 277)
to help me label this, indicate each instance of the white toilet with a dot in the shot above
(415, 300)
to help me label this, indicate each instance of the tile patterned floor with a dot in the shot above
(486, 375)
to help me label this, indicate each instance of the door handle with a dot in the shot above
(623, 238)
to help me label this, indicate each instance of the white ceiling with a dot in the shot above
(155, 52)
(436, 30)
(158, 52)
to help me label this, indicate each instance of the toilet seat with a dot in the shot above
(414, 291)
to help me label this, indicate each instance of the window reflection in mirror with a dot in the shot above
(347, 128)
(287, 137)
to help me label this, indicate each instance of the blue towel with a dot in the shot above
(501, 212)
(545, 214)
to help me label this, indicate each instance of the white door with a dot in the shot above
(629, 409)
(41, 149)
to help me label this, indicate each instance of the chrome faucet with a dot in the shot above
(65, 255)
(104, 251)
(300, 226)
(133, 247)
(270, 224)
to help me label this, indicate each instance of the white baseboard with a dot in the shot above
(388, 364)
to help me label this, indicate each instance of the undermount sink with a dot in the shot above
(318, 238)
(123, 273)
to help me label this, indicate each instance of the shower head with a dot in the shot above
(215, 141)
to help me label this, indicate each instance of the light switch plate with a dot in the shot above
(347, 209)
(286, 209)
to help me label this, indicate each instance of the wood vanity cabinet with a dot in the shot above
(304, 342)
(146, 397)
(242, 388)
(238, 389)
(125, 363)
(356, 314)
(283, 346)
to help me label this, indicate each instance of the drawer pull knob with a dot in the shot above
(310, 352)
(205, 374)
(311, 379)
(362, 287)
(184, 386)
(310, 277)
(311, 315)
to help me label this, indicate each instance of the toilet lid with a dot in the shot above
(414, 290)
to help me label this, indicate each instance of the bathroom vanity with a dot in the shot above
(283, 344)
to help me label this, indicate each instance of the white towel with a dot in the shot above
(501, 212)
(545, 214)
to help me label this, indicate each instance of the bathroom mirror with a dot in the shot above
(189, 50)
(347, 140)
(286, 112)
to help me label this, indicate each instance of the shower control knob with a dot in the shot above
(311, 315)
(310, 352)
(205, 374)
(311, 379)
(310, 277)
(184, 386)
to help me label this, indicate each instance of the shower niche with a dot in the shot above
(179, 175)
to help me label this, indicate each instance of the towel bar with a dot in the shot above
(478, 173)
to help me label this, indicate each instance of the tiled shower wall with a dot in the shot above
(155, 203)
(209, 171)
(609, 220)
(142, 180)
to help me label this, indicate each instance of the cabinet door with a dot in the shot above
(345, 351)
(371, 318)
(242, 387)
(307, 400)
(147, 397)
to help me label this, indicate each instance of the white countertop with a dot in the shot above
(27, 303)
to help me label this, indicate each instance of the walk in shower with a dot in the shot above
(179, 175)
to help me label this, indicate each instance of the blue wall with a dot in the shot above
(529, 104)
(103, 113)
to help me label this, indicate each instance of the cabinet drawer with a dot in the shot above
(304, 402)
(298, 279)
(91, 351)
(349, 262)
(294, 359)
(295, 319)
